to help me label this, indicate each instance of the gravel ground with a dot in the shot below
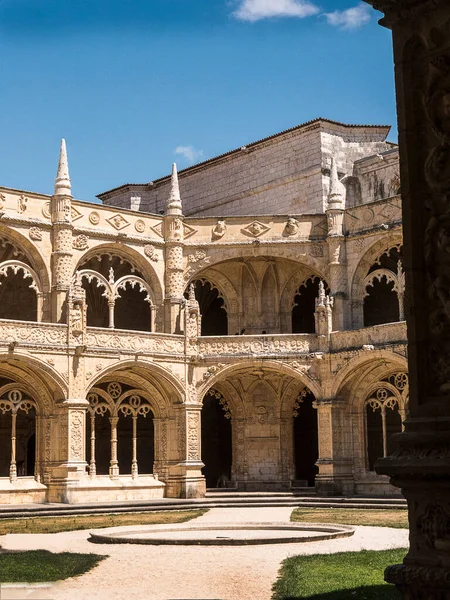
(187, 572)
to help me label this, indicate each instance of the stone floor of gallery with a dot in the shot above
(189, 572)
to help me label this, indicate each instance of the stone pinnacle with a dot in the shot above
(62, 181)
(174, 206)
(336, 194)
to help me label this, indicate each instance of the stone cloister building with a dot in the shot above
(238, 325)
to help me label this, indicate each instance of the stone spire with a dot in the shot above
(336, 195)
(174, 206)
(62, 181)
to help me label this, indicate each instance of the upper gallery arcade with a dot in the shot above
(241, 325)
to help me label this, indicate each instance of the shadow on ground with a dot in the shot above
(372, 592)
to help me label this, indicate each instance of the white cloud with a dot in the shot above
(255, 10)
(352, 18)
(189, 152)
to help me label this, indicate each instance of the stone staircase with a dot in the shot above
(221, 498)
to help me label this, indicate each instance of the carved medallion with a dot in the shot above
(140, 226)
(255, 229)
(94, 218)
(46, 210)
(35, 234)
(118, 222)
(150, 252)
(80, 242)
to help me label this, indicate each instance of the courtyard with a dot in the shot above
(196, 572)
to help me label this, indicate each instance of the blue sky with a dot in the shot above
(134, 85)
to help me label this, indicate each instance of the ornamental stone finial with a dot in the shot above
(174, 206)
(337, 193)
(62, 181)
(320, 301)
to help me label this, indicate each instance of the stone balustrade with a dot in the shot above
(49, 334)
(133, 341)
(378, 335)
(261, 345)
(32, 333)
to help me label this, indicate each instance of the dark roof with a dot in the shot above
(251, 145)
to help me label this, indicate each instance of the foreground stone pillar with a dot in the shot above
(421, 463)
(335, 470)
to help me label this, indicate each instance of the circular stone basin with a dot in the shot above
(227, 535)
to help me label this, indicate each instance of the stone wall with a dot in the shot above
(285, 174)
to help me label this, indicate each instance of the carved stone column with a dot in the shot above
(335, 469)
(62, 252)
(421, 463)
(174, 234)
(69, 444)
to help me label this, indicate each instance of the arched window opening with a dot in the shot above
(112, 303)
(17, 434)
(306, 441)
(18, 297)
(384, 289)
(18, 290)
(383, 416)
(216, 440)
(305, 305)
(212, 308)
(120, 432)
(132, 310)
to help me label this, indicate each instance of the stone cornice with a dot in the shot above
(395, 10)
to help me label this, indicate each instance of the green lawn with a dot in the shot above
(340, 576)
(353, 516)
(58, 524)
(41, 565)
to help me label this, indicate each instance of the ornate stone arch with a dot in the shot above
(168, 389)
(134, 258)
(222, 254)
(365, 358)
(219, 282)
(358, 278)
(226, 370)
(38, 379)
(37, 260)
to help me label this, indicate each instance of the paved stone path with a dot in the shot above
(188, 572)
